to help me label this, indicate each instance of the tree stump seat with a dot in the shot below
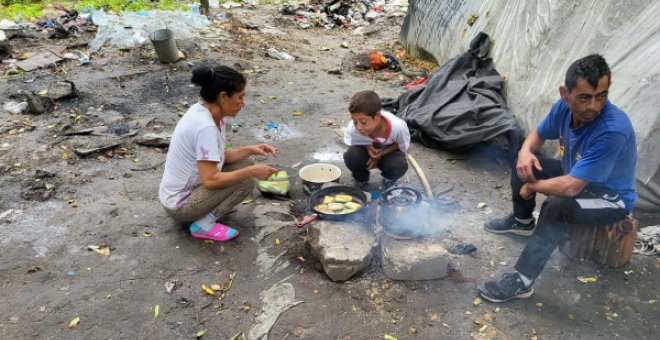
(610, 245)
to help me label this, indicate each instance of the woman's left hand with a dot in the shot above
(264, 149)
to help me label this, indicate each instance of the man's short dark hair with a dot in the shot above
(366, 102)
(591, 68)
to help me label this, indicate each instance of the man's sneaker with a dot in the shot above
(509, 224)
(510, 286)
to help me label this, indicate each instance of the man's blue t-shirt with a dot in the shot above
(602, 152)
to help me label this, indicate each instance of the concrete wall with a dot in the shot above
(535, 42)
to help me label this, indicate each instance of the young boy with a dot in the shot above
(375, 139)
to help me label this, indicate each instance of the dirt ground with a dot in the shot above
(49, 277)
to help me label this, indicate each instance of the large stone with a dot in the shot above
(344, 249)
(415, 259)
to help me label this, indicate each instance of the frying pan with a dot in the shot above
(358, 196)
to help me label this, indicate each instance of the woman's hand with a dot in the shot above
(264, 149)
(262, 171)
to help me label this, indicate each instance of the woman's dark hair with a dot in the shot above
(591, 68)
(215, 80)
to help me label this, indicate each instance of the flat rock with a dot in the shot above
(414, 259)
(160, 140)
(344, 249)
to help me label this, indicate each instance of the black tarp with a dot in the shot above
(460, 105)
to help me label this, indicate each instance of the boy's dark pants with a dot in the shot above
(593, 206)
(393, 165)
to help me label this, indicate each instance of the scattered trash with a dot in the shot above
(61, 90)
(74, 322)
(415, 83)
(539, 304)
(147, 234)
(200, 334)
(477, 301)
(462, 249)
(102, 249)
(481, 205)
(587, 279)
(389, 337)
(34, 269)
(71, 273)
(118, 31)
(15, 107)
(298, 113)
(3, 37)
(648, 241)
(37, 104)
(275, 54)
(169, 287)
(335, 71)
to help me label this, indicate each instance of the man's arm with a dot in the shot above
(565, 186)
(527, 158)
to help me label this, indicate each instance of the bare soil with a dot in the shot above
(49, 277)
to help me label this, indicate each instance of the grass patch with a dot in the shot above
(25, 10)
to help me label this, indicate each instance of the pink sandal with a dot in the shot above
(219, 232)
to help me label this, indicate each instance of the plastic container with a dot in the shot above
(280, 183)
(165, 46)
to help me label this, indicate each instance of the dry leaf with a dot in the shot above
(216, 287)
(147, 234)
(539, 304)
(477, 301)
(277, 241)
(156, 312)
(298, 113)
(208, 290)
(74, 322)
(200, 334)
(587, 279)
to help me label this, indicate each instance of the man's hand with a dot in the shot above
(264, 149)
(262, 171)
(526, 192)
(527, 160)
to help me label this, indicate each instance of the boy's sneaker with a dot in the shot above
(509, 224)
(510, 286)
(388, 183)
(360, 185)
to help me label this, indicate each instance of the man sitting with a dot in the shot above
(593, 184)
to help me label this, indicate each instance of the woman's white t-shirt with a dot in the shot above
(196, 137)
(398, 133)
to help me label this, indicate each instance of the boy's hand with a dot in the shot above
(372, 163)
(373, 153)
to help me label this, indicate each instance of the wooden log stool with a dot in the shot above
(610, 245)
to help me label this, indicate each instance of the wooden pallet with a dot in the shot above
(610, 245)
